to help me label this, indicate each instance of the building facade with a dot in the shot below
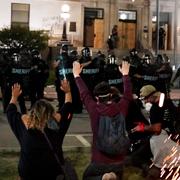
(90, 22)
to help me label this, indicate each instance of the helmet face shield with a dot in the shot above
(64, 48)
(133, 52)
(16, 58)
(86, 52)
(35, 54)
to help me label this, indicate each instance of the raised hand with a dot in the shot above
(65, 86)
(16, 90)
(125, 68)
(77, 68)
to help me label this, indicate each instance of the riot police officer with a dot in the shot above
(99, 62)
(17, 72)
(76, 100)
(111, 74)
(63, 68)
(38, 77)
(5, 70)
(90, 70)
(164, 71)
(60, 73)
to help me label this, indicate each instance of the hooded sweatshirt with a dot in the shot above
(96, 109)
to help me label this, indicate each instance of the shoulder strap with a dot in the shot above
(55, 154)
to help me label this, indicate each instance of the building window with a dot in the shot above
(94, 13)
(20, 14)
(125, 15)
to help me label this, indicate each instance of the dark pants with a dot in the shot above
(36, 91)
(141, 156)
(96, 171)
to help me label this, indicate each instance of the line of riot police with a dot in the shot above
(156, 71)
(25, 66)
(95, 70)
(18, 64)
(101, 68)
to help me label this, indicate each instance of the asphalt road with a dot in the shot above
(78, 136)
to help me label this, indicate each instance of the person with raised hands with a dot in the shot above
(103, 166)
(37, 158)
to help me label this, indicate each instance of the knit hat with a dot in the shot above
(148, 90)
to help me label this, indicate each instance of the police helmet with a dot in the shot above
(85, 52)
(64, 48)
(133, 52)
(147, 59)
(35, 53)
(159, 59)
(126, 58)
(74, 55)
(15, 57)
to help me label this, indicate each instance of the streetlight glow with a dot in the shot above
(65, 8)
(65, 15)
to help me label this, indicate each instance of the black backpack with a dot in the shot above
(112, 137)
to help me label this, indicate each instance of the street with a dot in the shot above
(78, 136)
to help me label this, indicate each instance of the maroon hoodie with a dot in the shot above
(95, 109)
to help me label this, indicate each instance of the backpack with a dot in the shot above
(112, 137)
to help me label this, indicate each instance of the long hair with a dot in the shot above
(40, 113)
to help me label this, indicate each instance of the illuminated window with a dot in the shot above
(20, 14)
(125, 15)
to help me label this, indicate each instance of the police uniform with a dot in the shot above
(18, 72)
(5, 72)
(90, 69)
(64, 71)
(38, 77)
(112, 74)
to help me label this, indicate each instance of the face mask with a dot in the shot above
(148, 106)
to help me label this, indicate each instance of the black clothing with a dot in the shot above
(142, 155)
(38, 77)
(110, 43)
(113, 77)
(94, 170)
(170, 116)
(37, 160)
(64, 70)
(17, 73)
(134, 116)
(90, 75)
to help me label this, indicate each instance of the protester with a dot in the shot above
(103, 166)
(110, 43)
(149, 94)
(37, 160)
(115, 35)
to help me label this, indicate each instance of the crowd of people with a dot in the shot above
(29, 70)
(136, 92)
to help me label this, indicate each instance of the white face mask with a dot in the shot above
(148, 106)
